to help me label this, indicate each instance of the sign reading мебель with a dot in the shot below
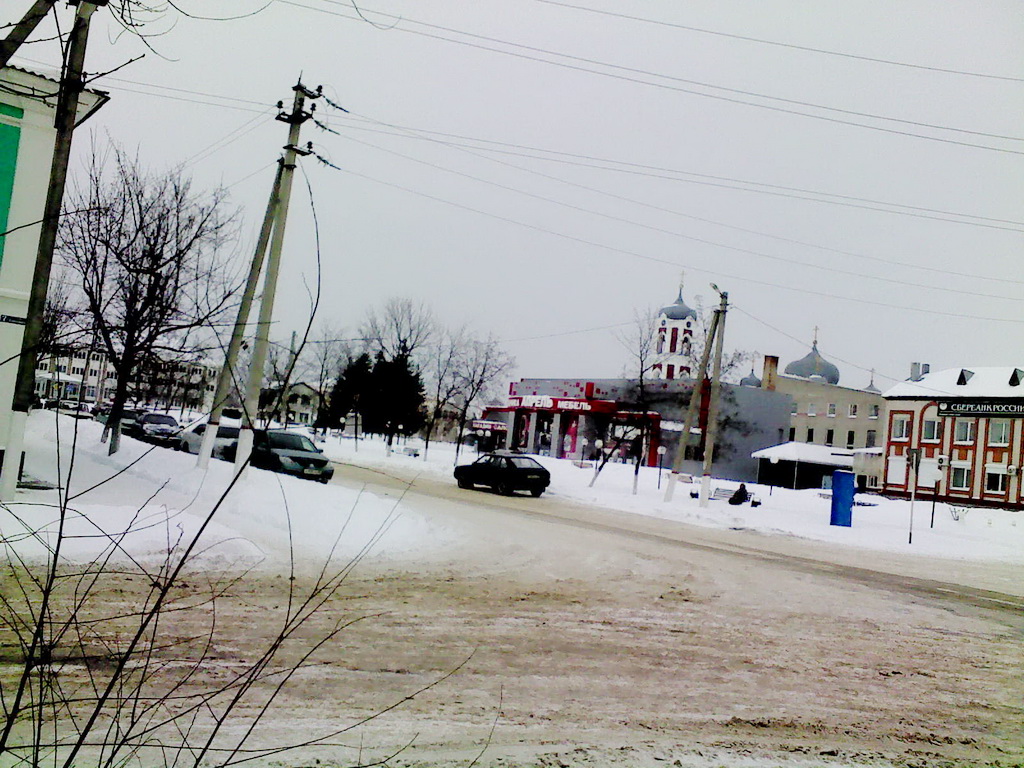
(996, 408)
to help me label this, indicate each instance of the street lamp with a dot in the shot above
(771, 479)
(583, 449)
(661, 455)
(599, 445)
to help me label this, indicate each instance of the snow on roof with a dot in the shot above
(807, 453)
(970, 382)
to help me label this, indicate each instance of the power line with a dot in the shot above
(858, 57)
(692, 238)
(666, 86)
(674, 264)
(886, 262)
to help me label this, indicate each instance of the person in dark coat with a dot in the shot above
(740, 496)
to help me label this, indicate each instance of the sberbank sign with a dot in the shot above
(1006, 408)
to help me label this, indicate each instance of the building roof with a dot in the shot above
(813, 364)
(807, 453)
(750, 380)
(24, 83)
(679, 310)
(973, 382)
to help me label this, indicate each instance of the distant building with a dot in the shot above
(298, 404)
(673, 339)
(964, 428)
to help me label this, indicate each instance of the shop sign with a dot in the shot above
(544, 402)
(1005, 408)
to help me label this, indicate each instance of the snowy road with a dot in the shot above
(990, 586)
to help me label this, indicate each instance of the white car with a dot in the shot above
(75, 408)
(191, 439)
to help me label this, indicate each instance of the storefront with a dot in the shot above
(958, 435)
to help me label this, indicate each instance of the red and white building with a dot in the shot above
(673, 336)
(963, 429)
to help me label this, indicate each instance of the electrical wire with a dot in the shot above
(676, 264)
(677, 88)
(809, 49)
(703, 241)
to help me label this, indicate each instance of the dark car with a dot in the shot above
(154, 427)
(505, 473)
(288, 452)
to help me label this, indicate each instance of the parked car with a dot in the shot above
(290, 453)
(505, 473)
(153, 427)
(191, 439)
(75, 409)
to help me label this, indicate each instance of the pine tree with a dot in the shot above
(393, 402)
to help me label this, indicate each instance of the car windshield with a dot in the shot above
(522, 462)
(161, 418)
(231, 432)
(290, 442)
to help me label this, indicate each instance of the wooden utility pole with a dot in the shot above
(295, 119)
(716, 388)
(10, 44)
(71, 87)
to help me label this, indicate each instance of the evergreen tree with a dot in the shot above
(349, 390)
(393, 402)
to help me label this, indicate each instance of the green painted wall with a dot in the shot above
(10, 135)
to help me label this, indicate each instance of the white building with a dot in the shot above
(673, 337)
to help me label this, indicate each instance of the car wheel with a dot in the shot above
(325, 480)
(535, 492)
(504, 489)
(464, 483)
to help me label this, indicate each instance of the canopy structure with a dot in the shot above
(800, 465)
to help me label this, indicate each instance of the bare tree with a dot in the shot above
(328, 352)
(402, 328)
(443, 372)
(483, 364)
(145, 254)
(639, 342)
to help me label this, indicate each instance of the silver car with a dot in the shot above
(191, 439)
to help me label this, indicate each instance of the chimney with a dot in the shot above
(770, 373)
(925, 369)
(915, 371)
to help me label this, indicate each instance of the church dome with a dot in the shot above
(750, 380)
(813, 365)
(679, 310)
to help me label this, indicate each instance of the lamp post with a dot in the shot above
(583, 448)
(661, 456)
(774, 460)
(599, 445)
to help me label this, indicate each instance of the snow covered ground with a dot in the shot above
(163, 497)
(878, 523)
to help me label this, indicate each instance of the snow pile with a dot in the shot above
(146, 501)
(879, 523)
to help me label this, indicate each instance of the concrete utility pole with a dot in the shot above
(71, 87)
(259, 353)
(691, 410)
(227, 372)
(716, 387)
(10, 44)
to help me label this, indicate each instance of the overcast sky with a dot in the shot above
(540, 170)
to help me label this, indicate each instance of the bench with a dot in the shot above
(724, 494)
(410, 451)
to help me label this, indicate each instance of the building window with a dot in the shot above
(900, 427)
(812, 409)
(873, 412)
(795, 409)
(670, 372)
(792, 434)
(829, 436)
(931, 430)
(964, 431)
(872, 438)
(832, 410)
(995, 482)
(853, 410)
(661, 340)
(960, 478)
(675, 341)
(850, 437)
(810, 434)
(999, 432)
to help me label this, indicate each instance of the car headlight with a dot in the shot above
(289, 463)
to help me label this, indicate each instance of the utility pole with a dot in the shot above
(10, 44)
(227, 372)
(691, 410)
(295, 119)
(71, 87)
(716, 387)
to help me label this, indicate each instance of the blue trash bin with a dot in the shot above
(843, 488)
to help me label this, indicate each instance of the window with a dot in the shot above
(810, 434)
(872, 438)
(829, 436)
(794, 411)
(900, 427)
(964, 431)
(77, 370)
(670, 372)
(995, 481)
(832, 410)
(960, 478)
(661, 340)
(999, 432)
(674, 342)
(931, 430)
(812, 409)
(61, 368)
(873, 412)
(850, 437)
(792, 434)
(853, 410)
